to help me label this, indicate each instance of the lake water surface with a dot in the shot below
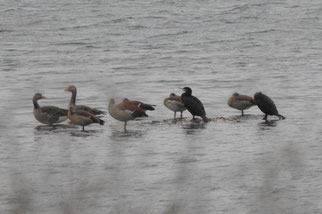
(144, 50)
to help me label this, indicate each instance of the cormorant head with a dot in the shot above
(258, 96)
(235, 94)
(187, 90)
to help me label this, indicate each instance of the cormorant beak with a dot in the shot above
(67, 89)
(43, 97)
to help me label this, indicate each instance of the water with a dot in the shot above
(144, 50)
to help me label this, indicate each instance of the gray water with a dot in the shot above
(144, 50)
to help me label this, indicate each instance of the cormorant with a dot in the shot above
(266, 105)
(193, 104)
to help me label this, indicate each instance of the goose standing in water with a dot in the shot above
(266, 105)
(72, 102)
(241, 102)
(124, 111)
(193, 104)
(48, 114)
(82, 118)
(174, 103)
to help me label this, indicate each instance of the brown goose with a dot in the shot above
(139, 104)
(174, 103)
(125, 105)
(48, 114)
(72, 102)
(241, 102)
(82, 118)
(124, 111)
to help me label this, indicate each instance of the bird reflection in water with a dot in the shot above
(51, 127)
(267, 123)
(194, 127)
(42, 130)
(85, 133)
(126, 134)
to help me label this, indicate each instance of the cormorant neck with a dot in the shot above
(36, 105)
(73, 98)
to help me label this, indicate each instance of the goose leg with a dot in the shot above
(125, 126)
(181, 116)
(175, 114)
(242, 112)
(83, 128)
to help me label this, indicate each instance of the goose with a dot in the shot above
(139, 104)
(124, 111)
(72, 102)
(48, 114)
(82, 118)
(174, 103)
(241, 102)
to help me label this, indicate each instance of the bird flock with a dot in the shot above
(83, 115)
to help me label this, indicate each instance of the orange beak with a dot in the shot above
(43, 97)
(67, 89)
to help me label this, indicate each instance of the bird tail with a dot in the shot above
(205, 119)
(281, 116)
(98, 112)
(101, 121)
(146, 106)
(139, 113)
(96, 119)
(149, 108)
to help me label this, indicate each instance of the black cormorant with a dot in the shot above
(266, 105)
(193, 104)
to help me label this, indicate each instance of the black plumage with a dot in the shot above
(193, 104)
(266, 105)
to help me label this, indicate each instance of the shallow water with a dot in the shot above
(144, 50)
